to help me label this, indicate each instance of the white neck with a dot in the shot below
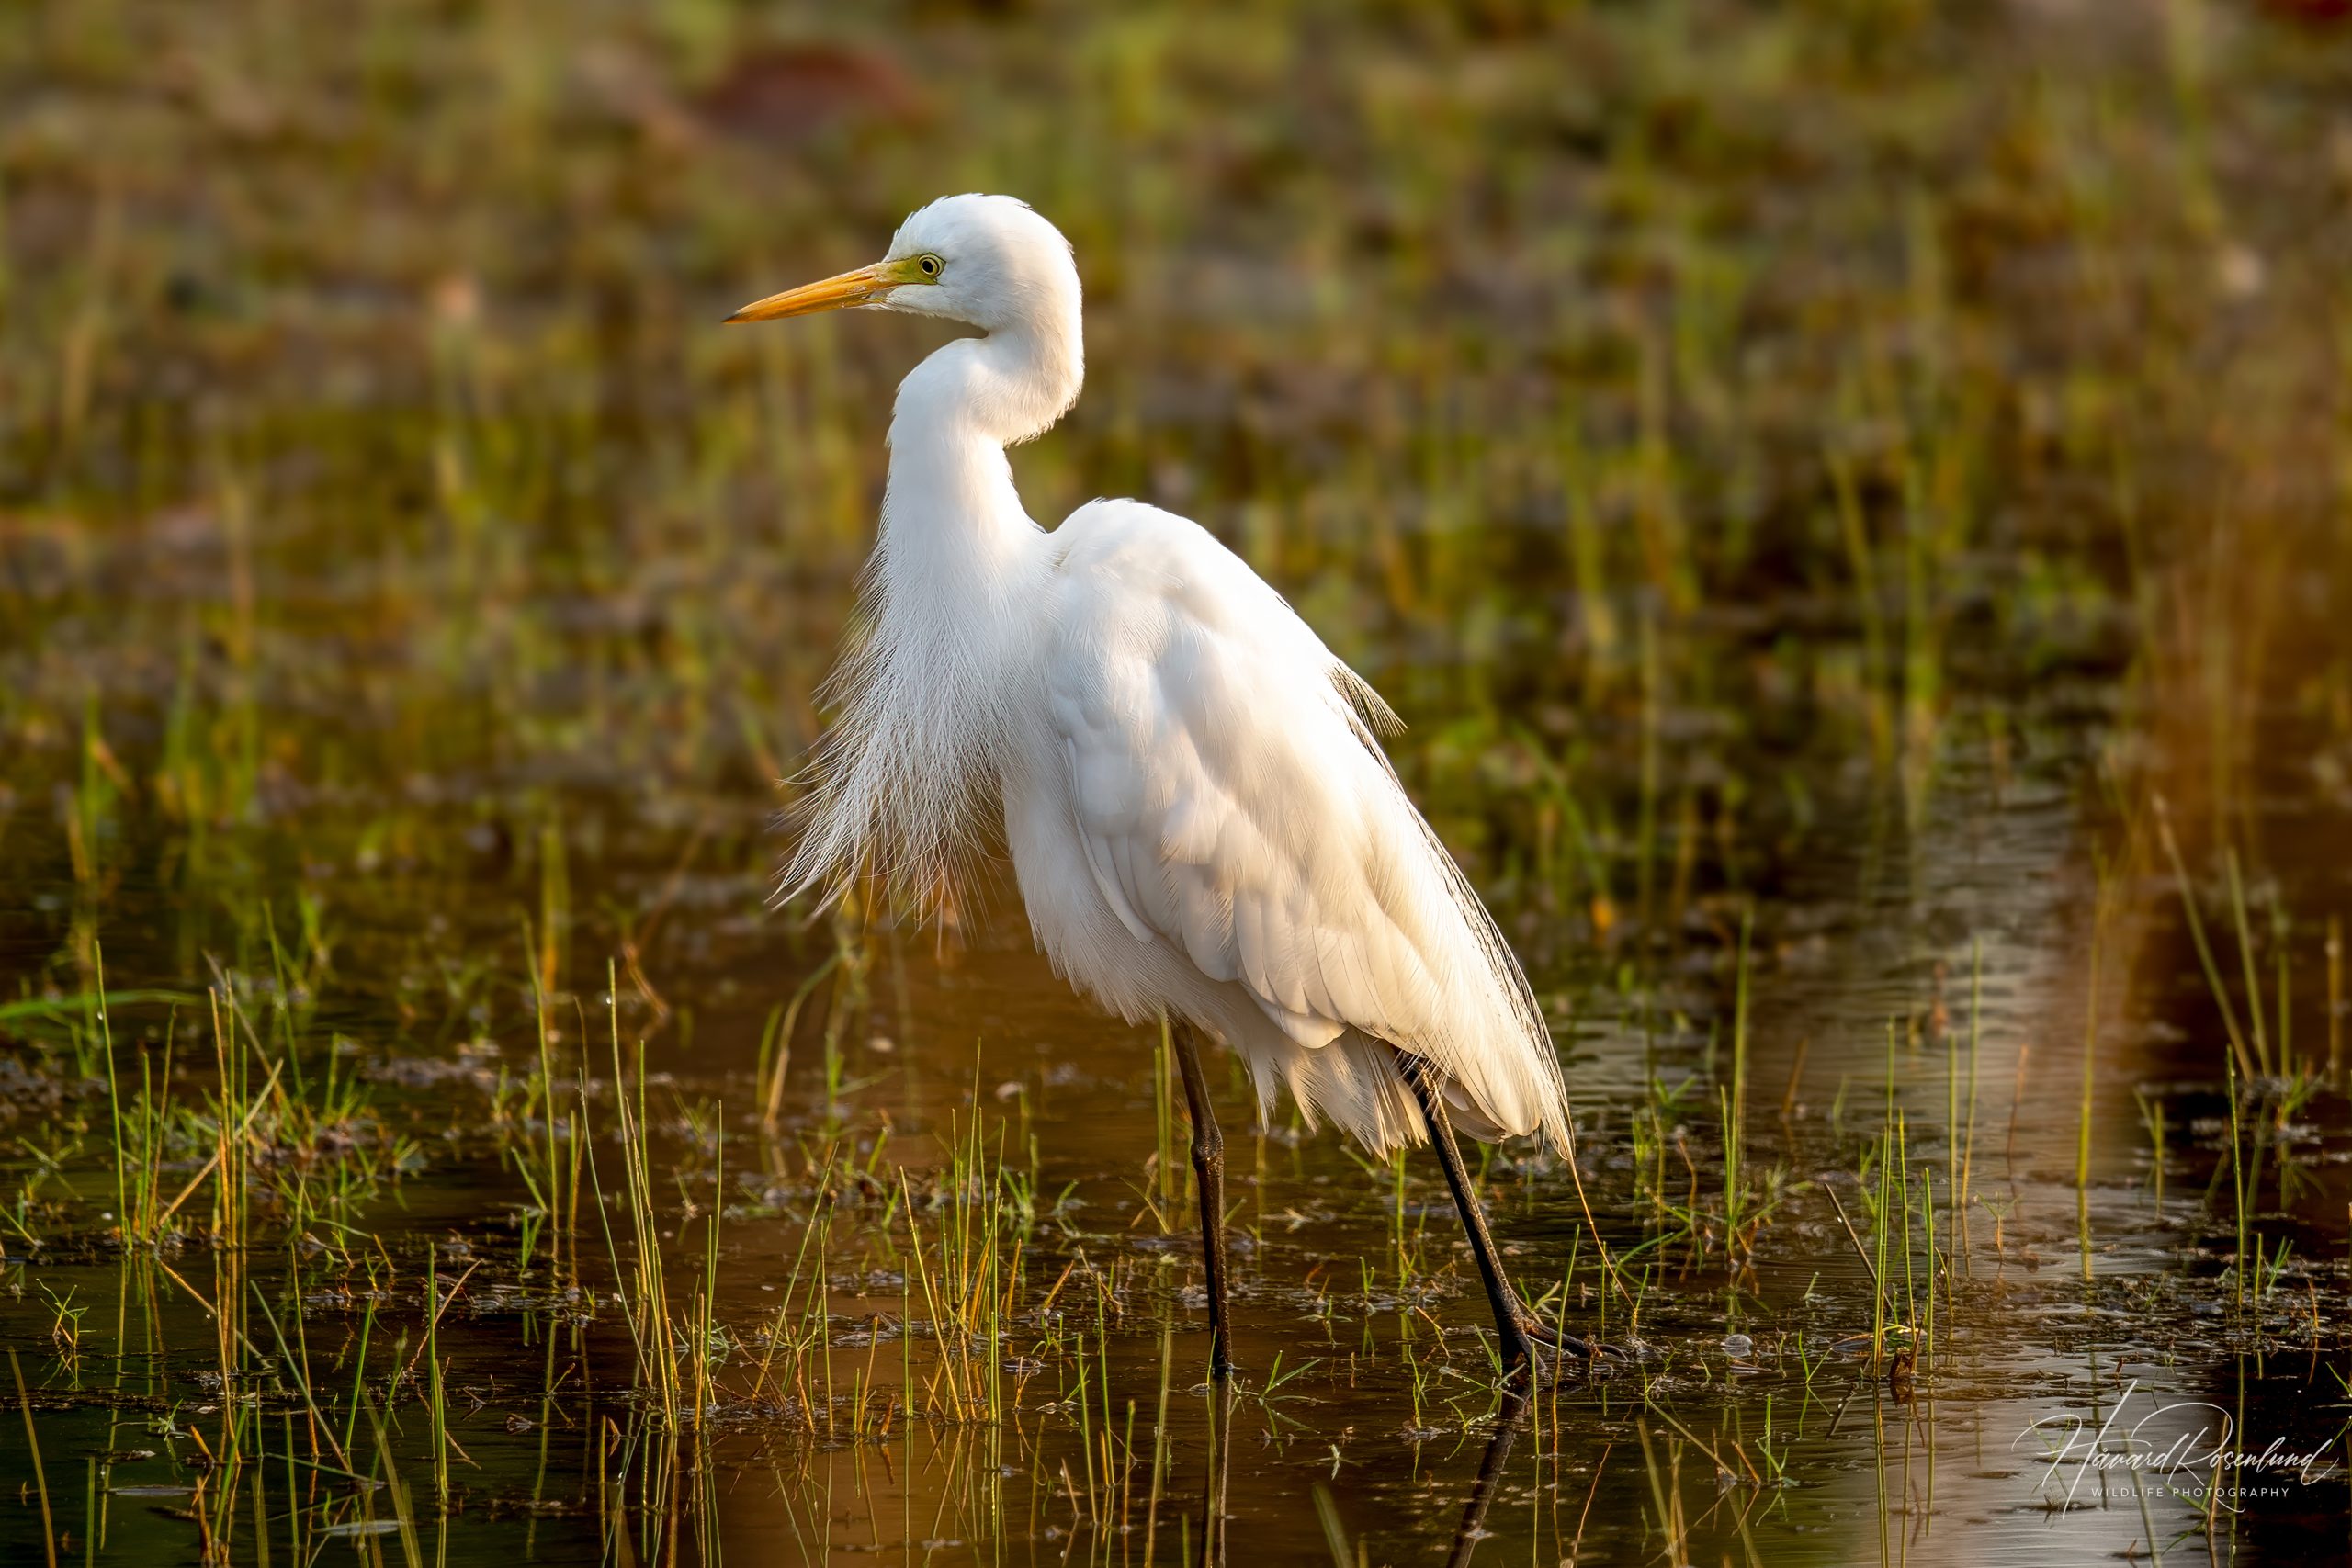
(949, 602)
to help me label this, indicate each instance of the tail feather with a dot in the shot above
(1355, 1083)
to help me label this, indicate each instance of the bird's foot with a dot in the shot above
(1225, 1377)
(1551, 1338)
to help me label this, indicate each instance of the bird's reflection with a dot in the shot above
(1473, 1527)
(1471, 1530)
(1211, 1554)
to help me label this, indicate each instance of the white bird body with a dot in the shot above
(1199, 815)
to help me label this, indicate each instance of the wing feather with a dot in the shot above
(1234, 802)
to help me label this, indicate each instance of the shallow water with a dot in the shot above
(1903, 962)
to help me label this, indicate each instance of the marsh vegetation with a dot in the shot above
(1852, 502)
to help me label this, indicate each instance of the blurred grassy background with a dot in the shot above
(1671, 406)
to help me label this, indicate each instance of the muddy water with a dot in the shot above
(1933, 954)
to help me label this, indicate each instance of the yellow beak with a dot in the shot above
(833, 294)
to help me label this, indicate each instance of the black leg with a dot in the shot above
(1208, 1173)
(1517, 1324)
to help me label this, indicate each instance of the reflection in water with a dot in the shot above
(1213, 1484)
(1473, 1527)
(1215, 1519)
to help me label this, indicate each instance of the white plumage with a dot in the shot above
(1199, 815)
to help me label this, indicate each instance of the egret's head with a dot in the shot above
(989, 261)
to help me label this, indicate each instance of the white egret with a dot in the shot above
(1199, 815)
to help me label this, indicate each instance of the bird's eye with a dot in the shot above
(930, 265)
